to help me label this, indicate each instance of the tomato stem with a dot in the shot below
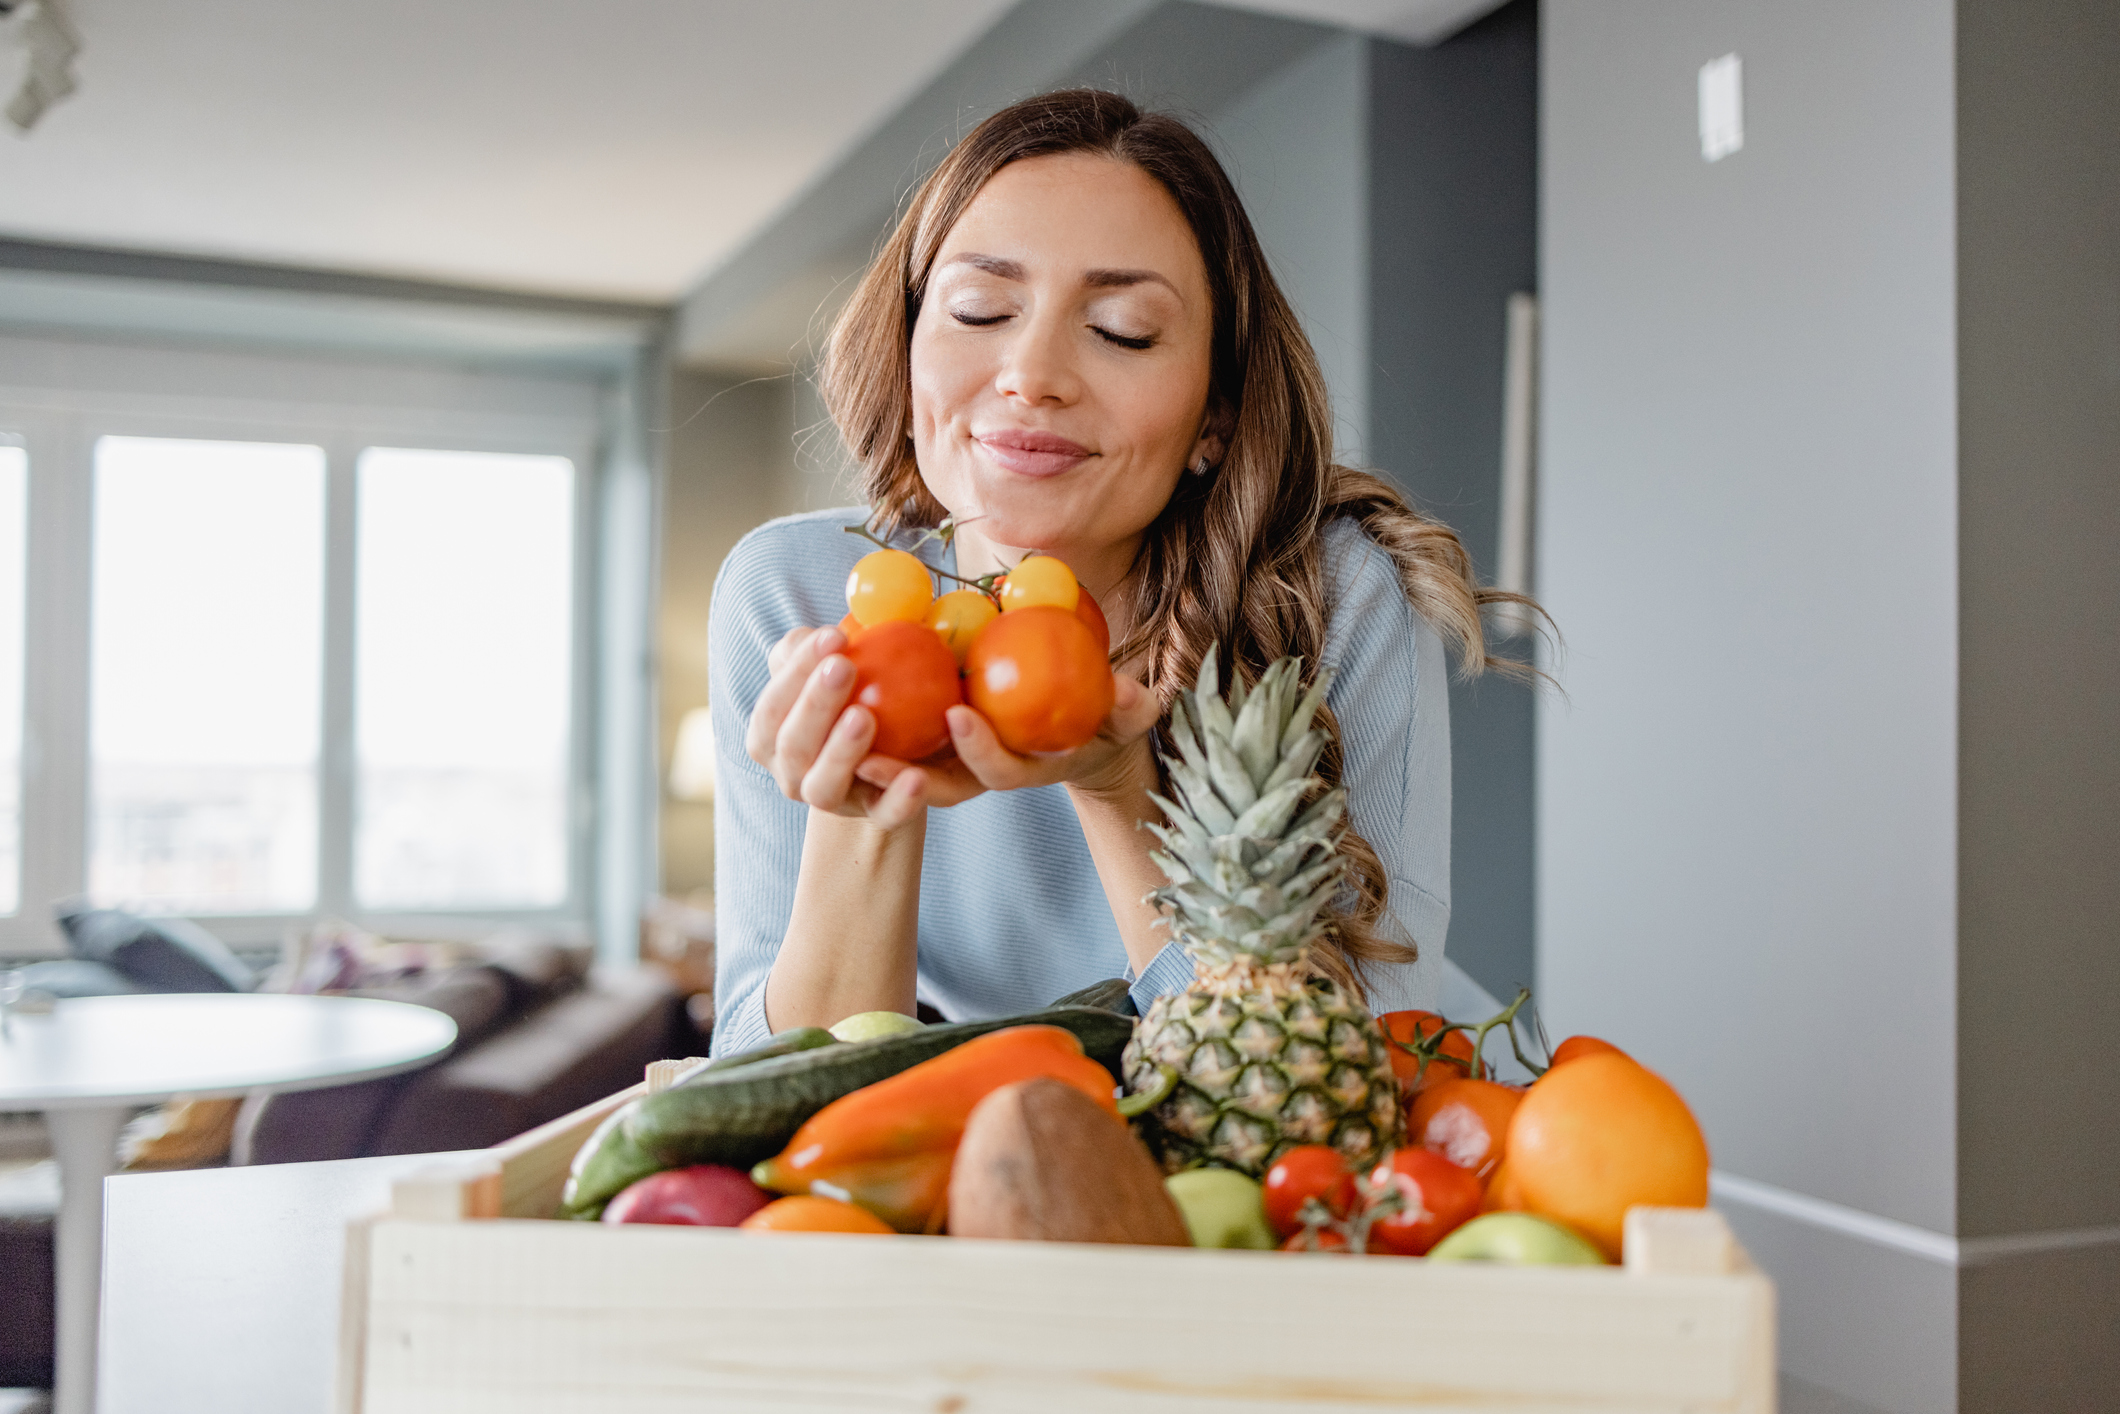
(984, 583)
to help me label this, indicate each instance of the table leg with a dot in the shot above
(85, 1142)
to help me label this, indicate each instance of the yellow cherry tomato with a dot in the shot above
(1040, 579)
(958, 616)
(887, 585)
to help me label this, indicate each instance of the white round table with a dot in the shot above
(91, 1061)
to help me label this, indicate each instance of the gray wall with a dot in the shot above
(1748, 531)
(2039, 692)
(1453, 223)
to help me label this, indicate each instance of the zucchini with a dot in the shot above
(1115, 995)
(610, 1161)
(780, 1043)
(738, 1118)
(605, 1166)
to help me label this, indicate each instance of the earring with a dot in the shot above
(1201, 467)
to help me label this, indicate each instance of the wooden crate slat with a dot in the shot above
(515, 1315)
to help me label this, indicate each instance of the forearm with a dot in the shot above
(853, 936)
(1120, 849)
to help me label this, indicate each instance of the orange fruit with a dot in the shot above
(1598, 1135)
(887, 586)
(808, 1213)
(1576, 1047)
(1039, 579)
(958, 616)
(1466, 1121)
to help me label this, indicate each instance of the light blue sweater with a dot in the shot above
(1011, 912)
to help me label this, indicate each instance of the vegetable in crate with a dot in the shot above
(889, 1146)
(1270, 1055)
(1041, 1160)
(705, 1195)
(1222, 1208)
(740, 1116)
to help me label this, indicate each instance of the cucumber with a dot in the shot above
(604, 1166)
(741, 1117)
(781, 1043)
(1116, 995)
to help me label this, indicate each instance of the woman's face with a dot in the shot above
(1060, 362)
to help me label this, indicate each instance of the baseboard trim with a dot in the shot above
(1899, 1236)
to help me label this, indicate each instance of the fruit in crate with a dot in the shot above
(888, 1147)
(1041, 1160)
(704, 1195)
(1416, 1196)
(1517, 1239)
(1222, 1208)
(1466, 1121)
(1270, 1055)
(1576, 1047)
(906, 677)
(1308, 1186)
(1598, 1135)
(1426, 1049)
(1038, 676)
(868, 1025)
(808, 1213)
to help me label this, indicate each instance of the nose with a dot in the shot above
(1038, 367)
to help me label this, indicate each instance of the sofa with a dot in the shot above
(538, 1034)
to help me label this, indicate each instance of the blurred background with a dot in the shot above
(381, 386)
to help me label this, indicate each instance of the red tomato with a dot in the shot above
(1434, 1196)
(1403, 1028)
(1311, 1171)
(1466, 1121)
(1324, 1239)
(1086, 609)
(1576, 1047)
(907, 677)
(1037, 676)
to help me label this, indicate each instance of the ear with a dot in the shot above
(1216, 429)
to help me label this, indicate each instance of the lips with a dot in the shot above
(1031, 453)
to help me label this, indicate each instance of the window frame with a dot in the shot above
(60, 429)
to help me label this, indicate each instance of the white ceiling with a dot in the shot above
(617, 149)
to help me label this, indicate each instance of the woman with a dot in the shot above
(1072, 344)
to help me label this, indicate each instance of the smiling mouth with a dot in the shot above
(1030, 453)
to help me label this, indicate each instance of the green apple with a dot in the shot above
(868, 1025)
(1221, 1208)
(1518, 1240)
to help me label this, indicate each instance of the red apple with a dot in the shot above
(705, 1195)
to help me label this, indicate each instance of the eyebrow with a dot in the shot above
(1096, 279)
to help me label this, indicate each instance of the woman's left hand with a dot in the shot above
(1114, 762)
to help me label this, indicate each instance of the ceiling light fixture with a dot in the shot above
(41, 28)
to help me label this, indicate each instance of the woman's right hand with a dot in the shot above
(804, 732)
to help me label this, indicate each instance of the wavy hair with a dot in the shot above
(1238, 556)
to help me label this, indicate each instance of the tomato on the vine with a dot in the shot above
(1309, 1171)
(905, 675)
(958, 616)
(1433, 1195)
(1091, 613)
(1037, 676)
(1402, 1029)
(1325, 1239)
(1039, 579)
(889, 586)
(1466, 1121)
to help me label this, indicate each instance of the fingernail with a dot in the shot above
(835, 670)
(960, 722)
(831, 640)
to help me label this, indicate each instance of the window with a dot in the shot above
(206, 639)
(287, 639)
(14, 542)
(463, 669)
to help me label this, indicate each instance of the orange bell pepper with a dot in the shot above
(889, 1146)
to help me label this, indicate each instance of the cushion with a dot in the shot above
(162, 954)
(64, 977)
(537, 970)
(476, 998)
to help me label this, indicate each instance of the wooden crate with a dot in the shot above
(463, 1298)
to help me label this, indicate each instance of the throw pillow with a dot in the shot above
(161, 954)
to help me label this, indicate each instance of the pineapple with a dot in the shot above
(1268, 1055)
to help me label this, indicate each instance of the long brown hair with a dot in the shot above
(1238, 556)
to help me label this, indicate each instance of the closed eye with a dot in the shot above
(976, 321)
(1122, 340)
